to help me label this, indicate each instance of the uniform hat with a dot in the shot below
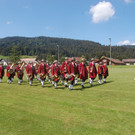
(66, 58)
(104, 61)
(55, 61)
(83, 60)
(42, 60)
(92, 59)
(100, 63)
(73, 59)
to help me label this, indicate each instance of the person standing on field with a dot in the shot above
(92, 71)
(100, 72)
(2, 72)
(105, 71)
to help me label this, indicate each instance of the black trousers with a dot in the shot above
(72, 82)
(100, 76)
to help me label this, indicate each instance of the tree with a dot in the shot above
(14, 54)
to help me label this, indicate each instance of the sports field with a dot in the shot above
(107, 109)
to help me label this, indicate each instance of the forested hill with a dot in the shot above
(43, 46)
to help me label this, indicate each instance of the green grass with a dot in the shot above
(107, 109)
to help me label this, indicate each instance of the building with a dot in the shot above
(112, 62)
(27, 60)
(129, 61)
(76, 58)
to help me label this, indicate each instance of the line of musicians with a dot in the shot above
(68, 71)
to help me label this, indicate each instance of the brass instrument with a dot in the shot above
(29, 76)
(36, 65)
(56, 77)
(12, 68)
(67, 76)
(42, 76)
(22, 68)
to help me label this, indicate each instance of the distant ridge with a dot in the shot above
(67, 47)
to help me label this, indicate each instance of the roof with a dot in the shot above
(128, 60)
(116, 61)
(27, 60)
(76, 58)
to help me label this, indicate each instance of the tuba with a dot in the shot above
(22, 68)
(12, 68)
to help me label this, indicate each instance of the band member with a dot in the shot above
(71, 71)
(48, 68)
(30, 70)
(100, 72)
(56, 73)
(19, 72)
(77, 71)
(2, 72)
(83, 71)
(64, 71)
(105, 70)
(92, 71)
(10, 72)
(42, 71)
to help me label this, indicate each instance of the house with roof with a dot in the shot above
(111, 61)
(27, 60)
(129, 61)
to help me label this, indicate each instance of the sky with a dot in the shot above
(93, 20)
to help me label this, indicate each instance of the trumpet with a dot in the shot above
(12, 68)
(22, 68)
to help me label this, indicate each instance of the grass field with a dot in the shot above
(107, 109)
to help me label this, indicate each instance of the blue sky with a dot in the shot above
(94, 20)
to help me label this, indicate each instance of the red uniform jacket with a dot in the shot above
(2, 72)
(43, 68)
(30, 70)
(64, 68)
(17, 70)
(100, 70)
(105, 70)
(83, 71)
(9, 75)
(92, 70)
(56, 72)
(72, 69)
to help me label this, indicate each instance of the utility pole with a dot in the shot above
(58, 52)
(110, 50)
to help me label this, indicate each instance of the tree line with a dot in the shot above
(47, 48)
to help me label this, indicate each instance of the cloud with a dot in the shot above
(126, 42)
(26, 7)
(129, 1)
(102, 12)
(8, 22)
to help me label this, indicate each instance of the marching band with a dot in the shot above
(68, 71)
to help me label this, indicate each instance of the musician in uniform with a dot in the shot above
(92, 71)
(42, 71)
(30, 71)
(77, 71)
(19, 72)
(10, 72)
(71, 71)
(83, 71)
(2, 72)
(64, 71)
(55, 73)
(105, 71)
(100, 72)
